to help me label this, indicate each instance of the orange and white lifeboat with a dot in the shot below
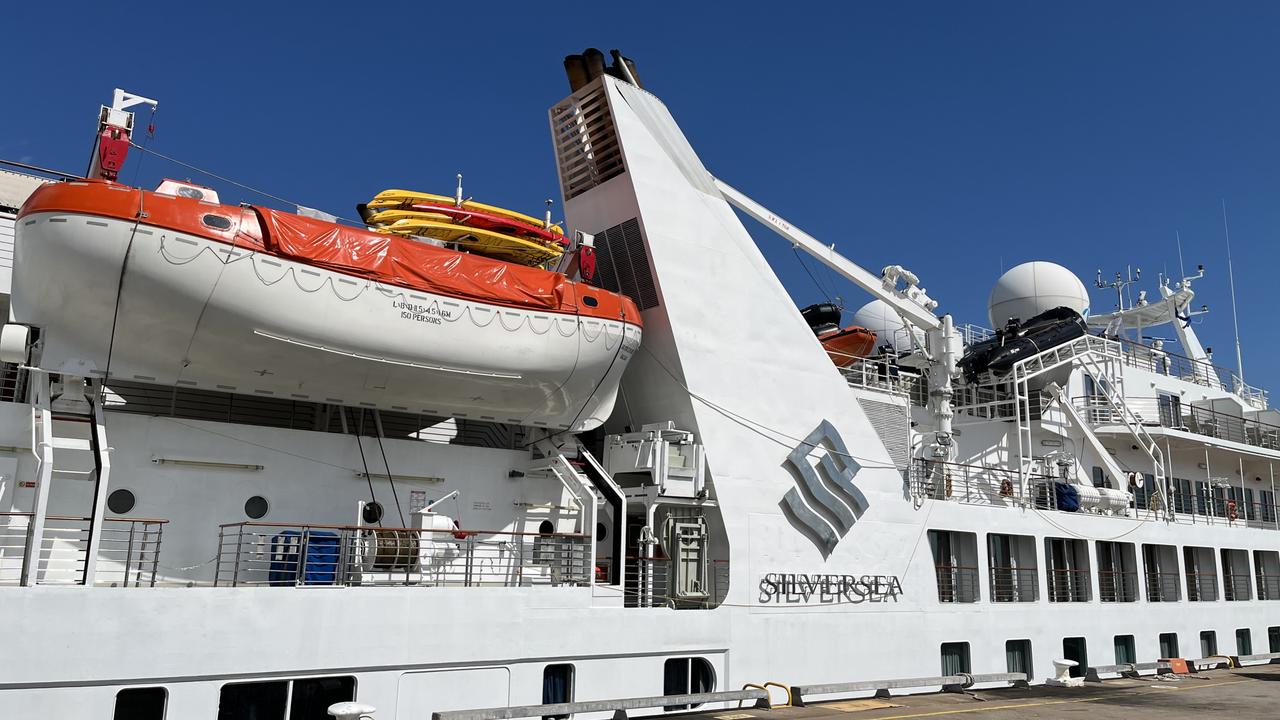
(168, 288)
(846, 346)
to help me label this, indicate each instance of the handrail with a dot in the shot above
(882, 687)
(317, 526)
(618, 706)
(160, 521)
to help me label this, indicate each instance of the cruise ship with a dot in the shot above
(258, 462)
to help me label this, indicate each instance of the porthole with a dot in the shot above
(121, 501)
(372, 513)
(217, 222)
(546, 528)
(601, 532)
(590, 301)
(190, 192)
(256, 507)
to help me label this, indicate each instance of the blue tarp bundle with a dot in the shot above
(1068, 498)
(319, 567)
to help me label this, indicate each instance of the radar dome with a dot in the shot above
(1032, 288)
(878, 317)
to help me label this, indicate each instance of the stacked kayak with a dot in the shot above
(470, 226)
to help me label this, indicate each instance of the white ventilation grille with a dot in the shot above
(893, 426)
(587, 151)
(622, 264)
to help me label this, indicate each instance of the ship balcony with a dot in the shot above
(283, 555)
(1202, 586)
(128, 553)
(1164, 586)
(1069, 585)
(1268, 587)
(1249, 428)
(957, 583)
(1118, 586)
(1014, 584)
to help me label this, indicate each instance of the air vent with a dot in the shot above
(622, 264)
(587, 151)
(892, 424)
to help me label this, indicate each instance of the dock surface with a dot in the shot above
(1247, 692)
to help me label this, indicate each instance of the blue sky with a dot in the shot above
(953, 138)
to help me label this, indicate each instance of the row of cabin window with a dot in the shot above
(1013, 570)
(955, 655)
(310, 698)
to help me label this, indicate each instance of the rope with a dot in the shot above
(369, 478)
(229, 181)
(390, 479)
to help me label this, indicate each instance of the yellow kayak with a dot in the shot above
(388, 199)
(481, 242)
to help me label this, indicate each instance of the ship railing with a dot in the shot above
(976, 484)
(1199, 372)
(957, 583)
(1185, 417)
(128, 554)
(1014, 584)
(1237, 586)
(649, 582)
(878, 374)
(286, 554)
(1164, 586)
(1268, 587)
(1118, 585)
(1069, 585)
(13, 383)
(1202, 586)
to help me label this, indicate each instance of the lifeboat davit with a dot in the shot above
(163, 288)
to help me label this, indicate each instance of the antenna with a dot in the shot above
(1182, 269)
(1231, 278)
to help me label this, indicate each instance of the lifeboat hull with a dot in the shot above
(848, 345)
(198, 312)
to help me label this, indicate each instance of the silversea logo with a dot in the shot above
(841, 501)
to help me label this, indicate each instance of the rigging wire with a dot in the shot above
(228, 180)
(360, 444)
(390, 479)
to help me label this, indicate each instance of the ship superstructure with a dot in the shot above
(182, 540)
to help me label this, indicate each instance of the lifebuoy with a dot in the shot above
(1232, 513)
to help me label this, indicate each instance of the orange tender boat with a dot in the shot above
(847, 345)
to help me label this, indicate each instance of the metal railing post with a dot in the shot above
(235, 568)
(155, 552)
(128, 555)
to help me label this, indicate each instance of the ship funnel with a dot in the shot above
(590, 65)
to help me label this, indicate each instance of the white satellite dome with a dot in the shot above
(878, 317)
(1032, 288)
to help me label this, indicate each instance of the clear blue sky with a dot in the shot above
(953, 138)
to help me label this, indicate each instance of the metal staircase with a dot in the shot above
(1103, 360)
(56, 406)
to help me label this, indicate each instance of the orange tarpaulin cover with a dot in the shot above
(408, 263)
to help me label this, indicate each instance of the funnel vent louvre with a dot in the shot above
(622, 264)
(587, 150)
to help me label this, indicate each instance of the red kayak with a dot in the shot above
(489, 221)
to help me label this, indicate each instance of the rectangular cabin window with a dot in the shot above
(1208, 643)
(141, 703)
(1160, 567)
(1266, 565)
(684, 676)
(557, 687)
(1273, 639)
(1117, 572)
(955, 560)
(1182, 497)
(1170, 406)
(1267, 506)
(1244, 642)
(1202, 576)
(1169, 645)
(1076, 649)
(1237, 580)
(1067, 570)
(1012, 568)
(303, 698)
(955, 658)
(1125, 651)
(1017, 656)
